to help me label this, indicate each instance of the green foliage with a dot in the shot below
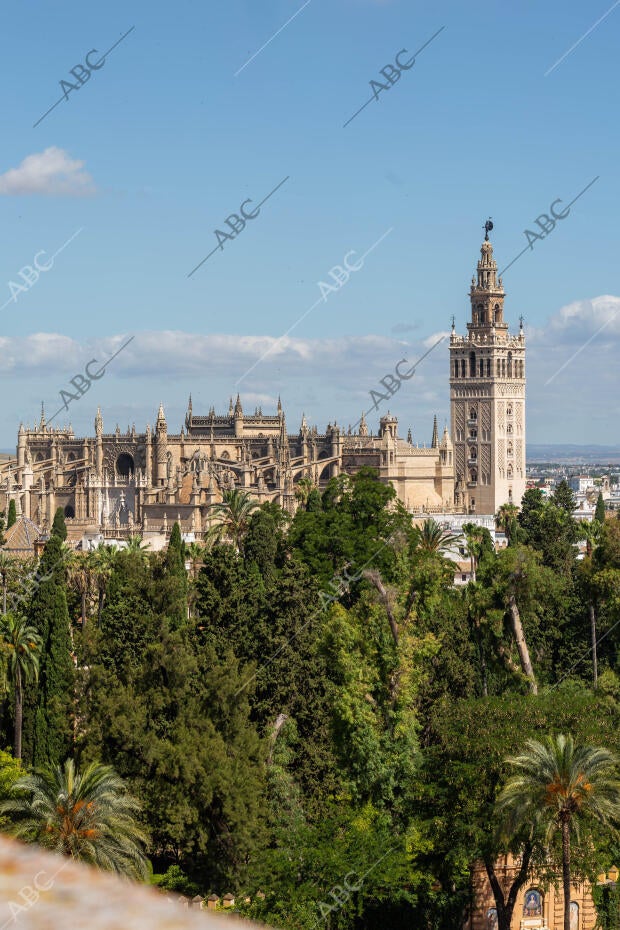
(564, 498)
(22, 645)
(607, 901)
(599, 512)
(175, 879)
(12, 515)
(2, 528)
(49, 711)
(317, 700)
(10, 772)
(86, 815)
(59, 528)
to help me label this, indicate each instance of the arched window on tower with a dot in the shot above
(481, 369)
(499, 369)
(498, 313)
(473, 414)
(510, 364)
(488, 368)
(472, 364)
(463, 367)
(503, 368)
(456, 367)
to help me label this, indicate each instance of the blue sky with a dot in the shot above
(165, 141)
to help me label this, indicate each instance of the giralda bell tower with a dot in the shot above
(487, 398)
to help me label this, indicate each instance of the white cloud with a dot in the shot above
(52, 173)
(328, 378)
(585, 317)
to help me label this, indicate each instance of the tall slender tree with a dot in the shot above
(49, 708)
(12, 515)
(23, 645)
(506, 520)
(560, 785)
(79, 578)
(59, 527)
(101, 563)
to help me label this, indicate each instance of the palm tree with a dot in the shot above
(233, 516)
(559, 784)
(505, 519)
(475, 536)
(431, 537)
(135, 545)
(195, 553)
(6, 564)
(303, 489)
(85, 815)
(101, 562)
(79, 578)
(23, 646)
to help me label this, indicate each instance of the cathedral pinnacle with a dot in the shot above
(161, 426)
(435, 441)
(42, 423)
(238, 407)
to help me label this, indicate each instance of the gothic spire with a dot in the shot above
(238, 407)
(435, 441)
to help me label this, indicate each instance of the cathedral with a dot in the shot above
(120, 483)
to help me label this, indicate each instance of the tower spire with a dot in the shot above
(435, 441)
(487, 291)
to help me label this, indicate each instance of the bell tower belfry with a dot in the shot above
(487, 398)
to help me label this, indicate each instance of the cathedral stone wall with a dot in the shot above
(129, 482)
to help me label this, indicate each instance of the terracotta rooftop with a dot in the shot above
(21, 537)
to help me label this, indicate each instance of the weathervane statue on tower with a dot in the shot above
(488, 226)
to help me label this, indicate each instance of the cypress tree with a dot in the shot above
(59, 527)
(564, 498)
(599, 513)
(173, 585)
(12, 518)
(48, 711)
(2, 526)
